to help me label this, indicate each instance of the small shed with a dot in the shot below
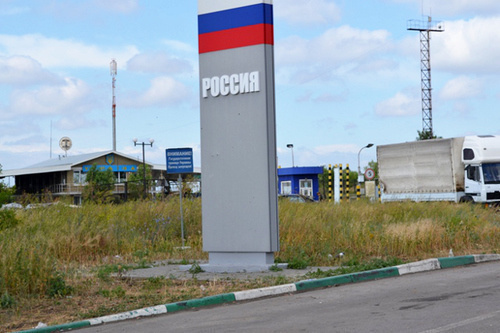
(299, 180)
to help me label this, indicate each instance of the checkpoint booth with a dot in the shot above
(300, 180)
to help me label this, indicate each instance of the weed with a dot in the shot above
(104, 293)
(153, 283)
(102, 311)
(195, 269)
(118, 292)
(280, 280)
(7, 301)
(47, 242)
(354, 266)
(299, 261)
(57, 287)
(104, 272)
(275, 268)
(8, 219)
(319, 274)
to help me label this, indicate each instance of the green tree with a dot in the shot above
(426, 135)
(100, 184)
(6, 192)
(136, 182)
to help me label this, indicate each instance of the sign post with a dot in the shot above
(238, 134)
(180, 160)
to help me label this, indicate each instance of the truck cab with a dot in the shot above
(481, 158)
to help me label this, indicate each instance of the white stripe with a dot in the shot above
(462, 323)
(154, 310)
(419, 266)
(210, 6)
(486, 257)
(262, 292)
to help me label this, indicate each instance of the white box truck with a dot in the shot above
(465, 169)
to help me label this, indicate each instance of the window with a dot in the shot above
(473, 173)
(468, 154)
(79, 177)
(491, 173)
(305, 187)
(286, 187)
(120, 177)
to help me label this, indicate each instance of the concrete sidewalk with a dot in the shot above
(179, 272)
(174, 271)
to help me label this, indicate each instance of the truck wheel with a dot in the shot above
(466, 198)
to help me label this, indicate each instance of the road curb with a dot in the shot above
(410, 268)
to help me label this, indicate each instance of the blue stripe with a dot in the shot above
(235, 18)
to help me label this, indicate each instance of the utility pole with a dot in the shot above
(425, 28)
(113, 71)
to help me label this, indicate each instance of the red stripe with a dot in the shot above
(238, 37)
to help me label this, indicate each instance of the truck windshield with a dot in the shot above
(491, 173)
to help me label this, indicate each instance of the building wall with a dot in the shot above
(296, 174)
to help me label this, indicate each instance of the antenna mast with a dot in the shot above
(425, 28)
(113, 71)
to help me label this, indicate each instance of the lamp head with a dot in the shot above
(290, 145)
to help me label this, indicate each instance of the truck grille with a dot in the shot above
(493, 196)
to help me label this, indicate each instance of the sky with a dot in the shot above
(347, 74)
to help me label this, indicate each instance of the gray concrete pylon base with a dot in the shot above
(238, 262)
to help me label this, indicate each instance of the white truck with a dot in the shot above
(464, 169)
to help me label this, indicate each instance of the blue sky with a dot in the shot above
(347, 74)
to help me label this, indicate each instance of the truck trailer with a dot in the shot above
(463, 169)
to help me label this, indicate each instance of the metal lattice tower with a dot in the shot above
(113, 71)
(425, 28)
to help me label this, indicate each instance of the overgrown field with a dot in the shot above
(60, 258)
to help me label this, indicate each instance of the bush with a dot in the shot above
(8, 219)
(57, 287)
(7, 301)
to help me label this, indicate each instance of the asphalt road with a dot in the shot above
(464, 299)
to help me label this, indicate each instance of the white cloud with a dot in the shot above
(163, 91)
(120, 6)
(468, 46)
(52, 52)
(335, 46)
(49, 100)
(178, 46)
(158, 62)
(73, 121)
(82, 10)
(455, 7)
(399, 105)
(6, 10)
(460, 7)
(339, 148)
(462, 87)
(20, 70)
(311, 12)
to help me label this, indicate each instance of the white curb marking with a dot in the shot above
(419, 266)
(154, 310)
(262, 292)
(486, 257)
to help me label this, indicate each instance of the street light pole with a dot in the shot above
(290, 145)
(359, 153)
(144, 160)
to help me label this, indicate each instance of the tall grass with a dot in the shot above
(50, 242)
(405, 230)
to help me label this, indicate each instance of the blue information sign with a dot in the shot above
(179, 160)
